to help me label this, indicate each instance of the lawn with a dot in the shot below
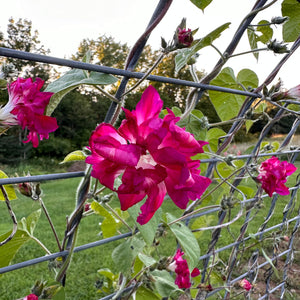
(59, 197)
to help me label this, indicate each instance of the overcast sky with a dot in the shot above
(62, 24)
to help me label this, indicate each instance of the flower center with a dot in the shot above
(146, 161)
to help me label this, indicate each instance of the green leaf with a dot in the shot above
(185, 54)
(10, 191)
(194, 124)
(247, 78)
(124, 255)
(9, 250)
(3, 83)
(145, 294)
(164, 282)
(266, 32)
(107, 273)
(202, 4)
(252, 38)
(200, 222)
(147, 230)
(71, 80)
(177, 111)
(187, 241)
(248, 191)
(147, 260)
(30, 222)
(137, 267)
(110, 224)
(213, 136)
(291, 28)
(228, 105)
(59, 294)
(74, 156)
(270, 262)
(249, 124)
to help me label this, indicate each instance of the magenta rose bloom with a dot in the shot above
(153, 156)
(181, 268)
(31, 297)
(27, 106)
(273, 174)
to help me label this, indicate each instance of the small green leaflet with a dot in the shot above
(202, 4)
(9, 189)
(77, 155)
(29, 223)
(266, 33)
(147, 230)
(110, 224)
(291, 28)
(9, 250)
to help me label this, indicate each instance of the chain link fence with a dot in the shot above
(244, 258)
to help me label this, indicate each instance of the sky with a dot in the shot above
(63, 24)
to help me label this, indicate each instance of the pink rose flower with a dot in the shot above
(26, 107)
(273, 174)
(31, 297)
(152, 154)
(245, 284)
(181, 268)
(293, 92)
(185, 37)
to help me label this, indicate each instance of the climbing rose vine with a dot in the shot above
(26, 107)
(152, 154)
(273, 174)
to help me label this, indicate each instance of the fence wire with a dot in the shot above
(257, 263)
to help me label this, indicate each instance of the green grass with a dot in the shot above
(59, 197)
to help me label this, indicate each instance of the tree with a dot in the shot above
(106, 51)
(21, 36)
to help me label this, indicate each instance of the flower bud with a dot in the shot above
(245, 284)
(25, 189)
(278, 47)
(87, 207)
(38, 287)
(185, 37)
(279, 20)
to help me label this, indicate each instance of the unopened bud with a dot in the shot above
(278, 47)
(38, 190)
(87, 207)
(185, 37)
(38, 287)
(25, 189)
(278, 20)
